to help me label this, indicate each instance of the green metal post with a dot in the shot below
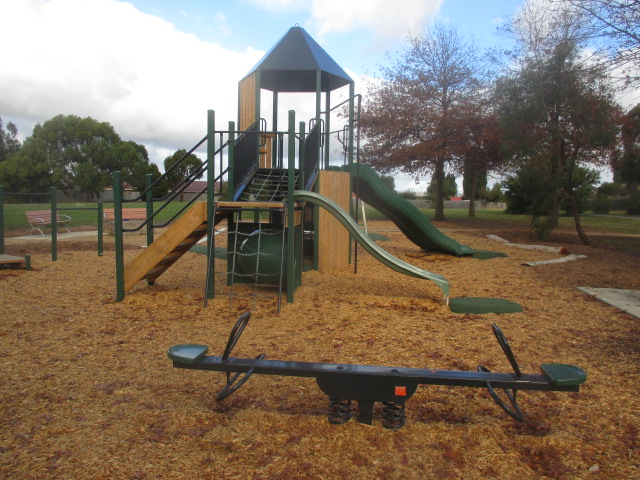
(231, 159)
(27, 262)
(291, 278)
(148, 182)
(100, 227)
(303, 183)
(54, 224)
(2, 252)
(119, 244)
(352, 93)
(327, 129)
(211, 176)
(351, 120)
(274, 129)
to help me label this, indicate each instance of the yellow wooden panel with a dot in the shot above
(247, 98)
(165, 244)
(332, 237)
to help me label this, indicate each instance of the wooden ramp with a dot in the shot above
(183, 234)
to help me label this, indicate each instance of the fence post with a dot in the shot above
(119, 244)
(211, 176)
(2, 252)
(54, 224)
(100, 227)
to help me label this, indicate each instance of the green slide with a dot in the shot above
(371, 247)
(411, 221)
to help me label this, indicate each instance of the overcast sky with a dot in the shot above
(152, 68)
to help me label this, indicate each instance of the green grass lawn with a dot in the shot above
(606, 223)
(15, 217)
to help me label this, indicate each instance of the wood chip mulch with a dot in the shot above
(87, 390)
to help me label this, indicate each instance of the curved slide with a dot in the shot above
(411, 221)
(372, 248)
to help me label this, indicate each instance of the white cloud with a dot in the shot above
(107, 60)
(386, 19)
(277, 5)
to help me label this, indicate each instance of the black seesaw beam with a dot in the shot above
(367, 384)
(392, 375)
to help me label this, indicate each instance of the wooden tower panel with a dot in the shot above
(332, 237)
(247, 100)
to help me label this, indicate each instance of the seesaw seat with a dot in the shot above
(188, 353)
(562, 374)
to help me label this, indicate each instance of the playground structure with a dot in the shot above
(285, 205)
(370, 384)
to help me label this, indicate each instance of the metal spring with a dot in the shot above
(393, 415)
(339, 411)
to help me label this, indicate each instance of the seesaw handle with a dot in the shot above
(506, 348)
(235, 334)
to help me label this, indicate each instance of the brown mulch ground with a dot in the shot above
(87, 390)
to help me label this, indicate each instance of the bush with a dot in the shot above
(633, 204)
(408, 194)
(601, 204)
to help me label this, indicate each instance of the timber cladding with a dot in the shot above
(247, 101)
(332, 236)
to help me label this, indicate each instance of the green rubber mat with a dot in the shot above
(483, 305)
(487, 254)
(220, 253)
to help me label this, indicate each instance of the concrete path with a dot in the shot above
(626, 300)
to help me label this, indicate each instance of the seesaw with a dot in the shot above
(369, 384)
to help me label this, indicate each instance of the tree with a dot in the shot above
(408, 120)
(9, 142)
(557, 113)
(188, 169)
(70, 152)
(64, 143)
(449, 188)
(26, 170)
(616, 23)
(481, 151)
(133, 161)
(626, 168)
(161, 188)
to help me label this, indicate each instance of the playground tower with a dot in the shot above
(284, 206)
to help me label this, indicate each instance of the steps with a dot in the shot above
(183, 234)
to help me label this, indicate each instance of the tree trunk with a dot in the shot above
(439, 175)
(576, 218)
(472, 196)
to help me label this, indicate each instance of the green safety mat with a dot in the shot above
(486, 254)
(483, 305)
(218, 252)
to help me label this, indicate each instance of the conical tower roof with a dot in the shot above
(292, 63)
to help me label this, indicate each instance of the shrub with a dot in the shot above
(633, 204)
(601, 204)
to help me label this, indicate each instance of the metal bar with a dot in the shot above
(291, 279)
(119, 243)
(148, 182)
(100, 227)
(457, 378)
(54, 224)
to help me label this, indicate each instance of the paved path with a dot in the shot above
(626, 300)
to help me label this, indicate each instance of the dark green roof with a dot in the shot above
(292, 63)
